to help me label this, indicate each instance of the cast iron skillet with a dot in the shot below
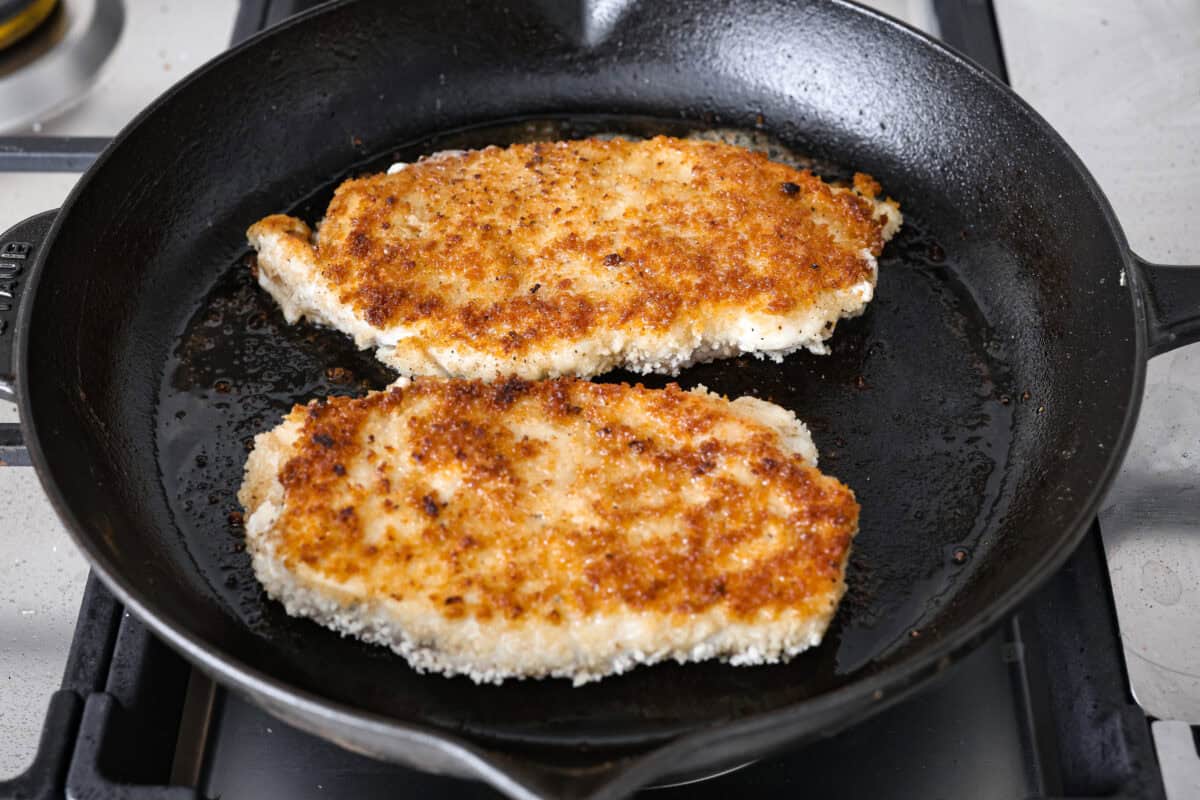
(979, 408)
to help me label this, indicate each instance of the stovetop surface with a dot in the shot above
(1040, 710)
(1137, 133)
(1027, 715)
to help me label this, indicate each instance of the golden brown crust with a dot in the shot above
(507, 250)
(556, 500)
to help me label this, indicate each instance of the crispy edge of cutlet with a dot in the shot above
(289, 270)
(307, 593)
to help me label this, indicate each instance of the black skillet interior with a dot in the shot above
(922, 440)
(969, 408)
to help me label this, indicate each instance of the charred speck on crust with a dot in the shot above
(612, 259)
(509, 391)
(429, 506)
(339, 469)
(323, 439)
(346, 514)
(789, 188)
(534, 289)
(360, 243)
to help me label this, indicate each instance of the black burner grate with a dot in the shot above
(1042, 709)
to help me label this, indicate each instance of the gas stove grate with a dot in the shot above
(1042, 709)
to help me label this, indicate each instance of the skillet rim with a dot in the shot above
(824, 713)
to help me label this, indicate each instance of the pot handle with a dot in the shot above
(19, 247)
(1172, 301)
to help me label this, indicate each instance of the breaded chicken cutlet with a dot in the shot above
(576, 257)
(559, 528)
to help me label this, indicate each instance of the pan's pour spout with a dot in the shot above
(1171, 302)
(18, 250)
(587, 23)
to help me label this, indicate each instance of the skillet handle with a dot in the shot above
(19, 247)
(1172, 302)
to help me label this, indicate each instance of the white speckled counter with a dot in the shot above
(42, 577)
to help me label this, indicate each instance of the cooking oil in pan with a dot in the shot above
(913, 410)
